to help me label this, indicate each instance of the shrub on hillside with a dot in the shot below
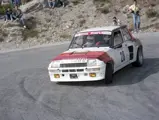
(65, 36)
(101, 1)
(29, 33)
(102, 5)
(3, 9)
(3, 34)
(152, 13)
(76, 2)
(104, 9)
(82, 22)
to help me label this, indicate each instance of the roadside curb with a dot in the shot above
(35, 47)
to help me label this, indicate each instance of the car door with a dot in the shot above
(125, 49)
(120, 54)
(129, 44)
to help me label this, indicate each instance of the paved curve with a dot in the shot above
(27, 94)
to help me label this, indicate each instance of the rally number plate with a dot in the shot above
(73, 76)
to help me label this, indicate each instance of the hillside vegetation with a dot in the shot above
(59, 24)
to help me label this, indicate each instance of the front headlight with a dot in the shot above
(91, 63)
(54, 64)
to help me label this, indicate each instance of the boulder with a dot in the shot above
(4, 2)
(32, 5)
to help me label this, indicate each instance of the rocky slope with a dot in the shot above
(55, 25)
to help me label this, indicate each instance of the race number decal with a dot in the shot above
(122, 56)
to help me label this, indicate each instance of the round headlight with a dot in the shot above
(55, 64)
(91, 62)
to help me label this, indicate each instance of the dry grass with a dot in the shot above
(80, 16)
(82, 22)
(103, 5)
(29, 33)
(3, 34)
(101, 1)
(104, 9)
(11, 25)
(150, 13)
(65, 36)
(155, 26)
(76, 2)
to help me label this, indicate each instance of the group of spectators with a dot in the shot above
(15, 14)
(134, 9)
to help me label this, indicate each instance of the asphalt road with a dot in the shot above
(26, 92)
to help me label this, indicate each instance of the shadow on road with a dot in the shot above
(126, 76)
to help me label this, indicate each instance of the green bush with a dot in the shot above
(4, 8)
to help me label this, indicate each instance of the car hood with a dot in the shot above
(100, 53)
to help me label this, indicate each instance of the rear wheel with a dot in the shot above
(140, 59)
(108, 74)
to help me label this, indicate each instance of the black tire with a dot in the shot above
(140, 59)
(108, 74)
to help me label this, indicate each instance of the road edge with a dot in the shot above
(34, 47)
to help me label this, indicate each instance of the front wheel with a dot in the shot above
(108, 74)
(140, 59)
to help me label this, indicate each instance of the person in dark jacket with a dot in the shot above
(18, 14)
(62, 3)
(52, 3)
(8, 14)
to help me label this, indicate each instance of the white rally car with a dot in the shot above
(96, 54)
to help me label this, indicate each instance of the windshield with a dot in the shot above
(90, 40)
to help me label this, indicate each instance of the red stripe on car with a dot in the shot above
(103, 56)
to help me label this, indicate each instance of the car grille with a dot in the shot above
(73, 70)
(73, 65)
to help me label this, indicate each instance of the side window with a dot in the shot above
(117, 38)
(106, 38)
(126, 34)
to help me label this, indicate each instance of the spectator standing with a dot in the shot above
(135, 10)
(116, 21)
(16, 2)
(51, 3)
(8, 15)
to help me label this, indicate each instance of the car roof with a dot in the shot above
(106, 28)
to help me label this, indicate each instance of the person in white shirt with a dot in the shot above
(135, 10)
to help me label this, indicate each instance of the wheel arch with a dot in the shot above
(139, 47)
(111, 62)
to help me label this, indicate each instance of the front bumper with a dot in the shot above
(84, 75)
